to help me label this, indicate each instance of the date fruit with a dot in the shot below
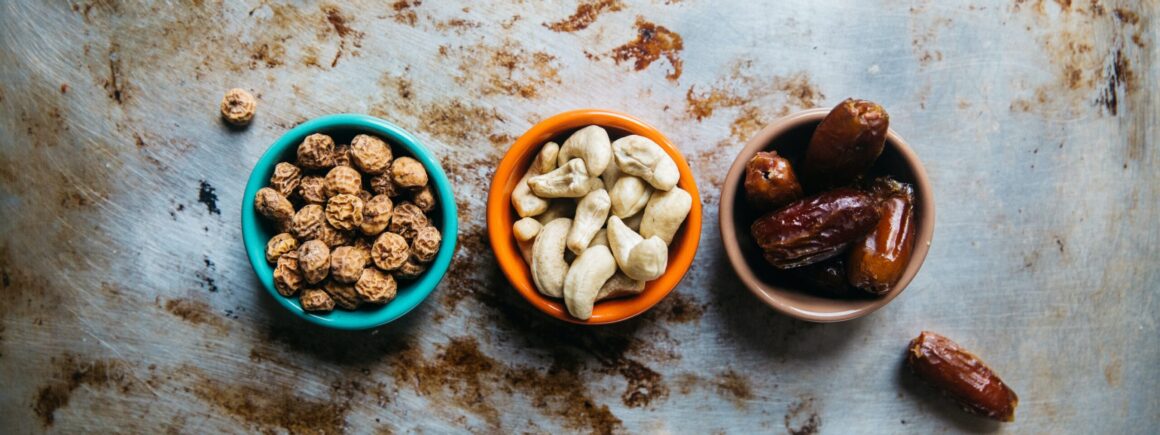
(962, 376)
(827, 278)
(877, 261)
(770, 182)
(846, 143)
(813, 229)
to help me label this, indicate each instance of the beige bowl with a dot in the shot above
(789, 137)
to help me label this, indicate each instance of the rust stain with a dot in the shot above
(651, 43)
(586, 13)
(728, 384)
(457, 25)
(801, 419)
(1114, 373)
(195, 312)
(73, 372)
(115, 84)
(678, 308)
(456, 121)
(1119, 79)
(405, 12)
(341, 25)
(270, 406)
(744, 88)
(504, 69)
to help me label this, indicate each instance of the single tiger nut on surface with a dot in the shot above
(406, 219)
(312, 189)
(316, 152)
(344, 211)
(375, 286)
(342, 155)
(390, 251)
(426, 244)
(370, 154)
(347, 263)
(343, 294)
(408, 173)
(424, 199)
(280, 244)
(376, 215)
(411, 269)
(316, 300)
(383, 185)
(962, 376)
(308, 222)
(286, 179)
(238, 106)
(333, 237)
(314, 261)
(343, 179)
(287, 277)
(273, 205)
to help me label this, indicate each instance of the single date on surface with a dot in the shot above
(877, 261)
(846, 143)
(770, 182)
(962, 376)
(813, 229)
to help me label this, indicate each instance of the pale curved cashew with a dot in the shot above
(591, 212)
(587, 275)
(590, 144)
(548, 265)
(525, 231)
(633, 221)
(629, 196)
(639, 156)
(570, 180)
(526, 203)
(600, 239)
(619, 286)
(558, 208)
(665, 213)
(610, 176)
(639, 258)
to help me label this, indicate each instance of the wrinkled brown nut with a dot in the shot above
(238, 106)
(307, 223)
(846, 143)
(376, 215)
(287, 277)
(273, 205)
(312, 189)
(347, 264)
(278, 245)
(334, 237)
(316, 300)
(424, 199)
(363, 244)
(370, 154)
(316, 152)
(770, 182)
(343, 294)
(286, 179)
(344, 212)
(390, 251)
(375, 286)
(408, 173)
(406, 219)
(411, 269)
(426, 244)
(878, 260)
(364, 196)
(314, 261)
(813, 229)
(382, 185)
(342, 156)
(343, 179)
(962, 376)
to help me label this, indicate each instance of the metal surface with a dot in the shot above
(128, 301)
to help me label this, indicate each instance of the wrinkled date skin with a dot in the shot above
(828, 278)
(846, 143)
(877, 261)
(814, 229)
(962, 376)
(770, 182)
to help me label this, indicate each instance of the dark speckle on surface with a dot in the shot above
(207, 195)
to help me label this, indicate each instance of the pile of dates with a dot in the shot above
(853, 235)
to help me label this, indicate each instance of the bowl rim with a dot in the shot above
(729, 194)
(407, 298)
(500, 215)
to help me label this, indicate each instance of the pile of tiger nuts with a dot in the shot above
(351, 220)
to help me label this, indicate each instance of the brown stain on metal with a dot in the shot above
(72, 373)
(341, 25)
(801, 419)
(652, 42)
(456, 25)
(1114, 373)
(507, 68)
(405, 12)
(586, 13)
(752, 92)
(272, 406)
(458, 122)
(195, 312)
(115, 84)
(727, 384)
(678, 308)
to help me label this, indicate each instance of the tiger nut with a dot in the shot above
(333, 237)
(426, 244)
(376, 215)
(343, 179)
(411, 269)
(364, 196)
(286, 178)
(316, 300)
(238, 106)
(424, 199)
(273, 205)
(287, 277)
(390, 251)
(343, 294)
(278, 245)
(406, 219)
(307, 223)
(375, 286)
(370, 154)
(314, 261)
(382, 185)
(342, 155)
(312, 189)
(316, 152)
(344, 211)
(347, 263)
(408, 173)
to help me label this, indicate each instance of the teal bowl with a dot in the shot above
(256, 231)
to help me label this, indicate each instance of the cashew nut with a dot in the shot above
(525, 203)
(570, 180)
(591, 145)
(600, 239)
(558, 208)
(619, 286)
(639, 258)
(639, 156)
(585, 278)
(591, 212)
(525, 231)
(633, 221)
(548, 265)
(629, 196)
(610, 176)
(664, 214)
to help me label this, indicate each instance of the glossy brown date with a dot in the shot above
(878, 260)
(814, 229)
(770, 182)
(962, 376)
(827, 278)
(846, 143)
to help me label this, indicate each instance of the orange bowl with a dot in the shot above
(501, 216)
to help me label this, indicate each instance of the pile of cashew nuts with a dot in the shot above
(597, 217)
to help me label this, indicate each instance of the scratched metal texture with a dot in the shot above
(129, 303)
